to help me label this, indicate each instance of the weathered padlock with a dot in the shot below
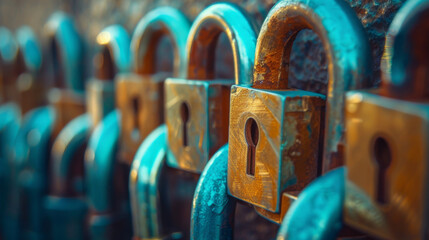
(33, 143)
(140, 96)
(196, 110)
(276, 133)
(66, 203)
(162, 199)
(386, 151)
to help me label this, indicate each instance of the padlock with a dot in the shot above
(386, 192)
(142, 90)
(196, 110)
(162, 198)
(39, 127)
(140, 96)
(276, 133)
(67, 166)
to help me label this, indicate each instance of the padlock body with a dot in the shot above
(287, 153)
(100, 99)
(206, 125)
(403, 126)
(140, 100)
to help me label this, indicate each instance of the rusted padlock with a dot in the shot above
(276, 133)
(140, 96)
(151, 174)
(66, 203)
(196, 110)
(386, 151)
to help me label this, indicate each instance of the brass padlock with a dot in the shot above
(276, 133)
(140, 95)
(197, 110)
(112, 59)
(68, 167)
(386, 151)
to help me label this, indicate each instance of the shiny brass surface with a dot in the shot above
(140, 101)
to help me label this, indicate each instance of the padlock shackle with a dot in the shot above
(347, 50)
(114, 43)
(60, 29)
(241, 32)
(29, 48)
(405, 62)
(158, 23)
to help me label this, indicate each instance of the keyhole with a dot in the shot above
(252, 136)
(184, 114)
(135, 103)
(383, 157)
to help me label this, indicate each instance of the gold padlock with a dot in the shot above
(386, 151)
(140, 96)
(276, 133)
(112, 59)
(197, 110)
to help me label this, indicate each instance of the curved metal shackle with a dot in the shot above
(116, 39)
(210, 23)
(346, 47)
(405, 62)
(163, 21)
(61, 28)
(30, 48)
(8, 45)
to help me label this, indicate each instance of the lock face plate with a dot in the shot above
(403, 126)
(207, 123)
(100, 99)
(147, 93)
(287, 152)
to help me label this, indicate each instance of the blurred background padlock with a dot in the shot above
(66, 204)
